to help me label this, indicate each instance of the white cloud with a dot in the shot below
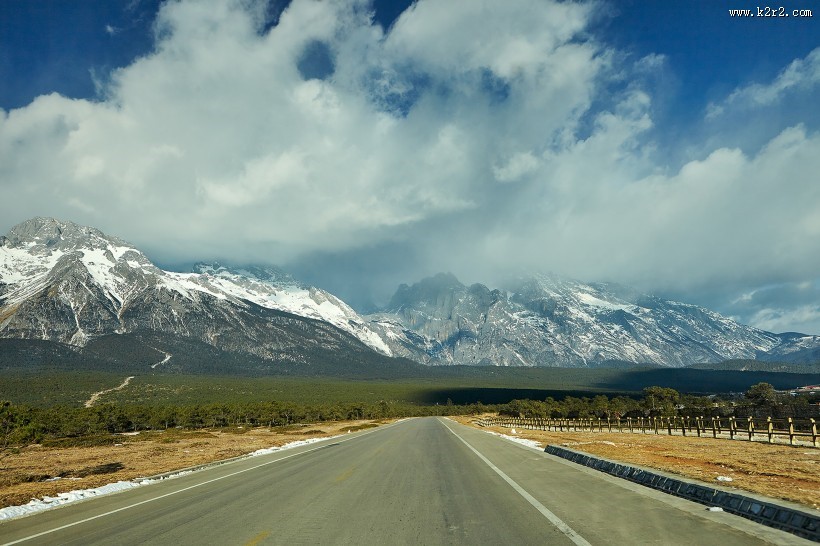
(217, 130)
(727, 217)
(801, 74)
(519, 165)
(215, 145)
(803, 319)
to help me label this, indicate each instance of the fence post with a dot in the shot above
(732, 428)
(814, 432)
(714, 429)
(698, 424)
(770, 428)
(683, 425)
(791, 431)
(669, 425)
(751, 429)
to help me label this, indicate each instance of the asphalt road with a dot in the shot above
(420, 481)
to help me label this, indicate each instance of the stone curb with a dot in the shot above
(802, 524)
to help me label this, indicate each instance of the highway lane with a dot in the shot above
(421, 481)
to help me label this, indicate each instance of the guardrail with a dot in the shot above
(717, 427)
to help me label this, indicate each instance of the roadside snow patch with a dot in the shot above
(38, 505)
(297, 443)
(523, 441)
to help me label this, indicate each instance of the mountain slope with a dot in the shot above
(549, 321)
(74, 285)
(71, 284)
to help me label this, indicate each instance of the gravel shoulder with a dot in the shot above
(776, 471)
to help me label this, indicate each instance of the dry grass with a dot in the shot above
(777, 471)
(23, 471)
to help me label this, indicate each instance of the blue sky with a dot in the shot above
(661, 144)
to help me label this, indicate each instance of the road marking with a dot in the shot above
(98, 516)
(347, 474)
(555, 520)
(258, 538)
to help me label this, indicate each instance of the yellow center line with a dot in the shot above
(258, 538)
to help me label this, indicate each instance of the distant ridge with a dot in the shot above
(75, 285)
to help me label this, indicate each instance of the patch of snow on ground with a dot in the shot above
(38, 505)
(297, 443)
(523, 441)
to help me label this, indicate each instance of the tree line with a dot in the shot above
(24, 424)
(759, 400)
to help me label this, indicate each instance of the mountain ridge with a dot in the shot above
(68, 283)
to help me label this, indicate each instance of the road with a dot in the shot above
(419, 481)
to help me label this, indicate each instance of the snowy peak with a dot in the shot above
(64, 282)
(88, 273)
(271, 288)
(40, 235)
(431, 291)
(546, 320)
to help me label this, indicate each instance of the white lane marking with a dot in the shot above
(555, 520)
(92, 518)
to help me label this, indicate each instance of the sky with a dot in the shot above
(662, 144)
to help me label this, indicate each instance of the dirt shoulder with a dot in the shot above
(29, 472)
(776, 471)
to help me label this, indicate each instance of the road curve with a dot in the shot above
(420, 481)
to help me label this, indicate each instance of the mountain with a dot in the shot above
(72, 284)
(549, 321)
(96, 294)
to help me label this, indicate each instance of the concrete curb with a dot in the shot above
(791, 520)
(173, 473)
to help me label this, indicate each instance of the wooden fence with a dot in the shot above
(718, 427)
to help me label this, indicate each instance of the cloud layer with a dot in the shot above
(477, 136)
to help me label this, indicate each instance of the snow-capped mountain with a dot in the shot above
(549, 321)
(64, 282)
(273, 289)
(72, 284)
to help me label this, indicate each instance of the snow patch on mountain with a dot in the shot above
(65, 282)
(35, 250)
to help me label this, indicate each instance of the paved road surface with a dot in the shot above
(420, 481)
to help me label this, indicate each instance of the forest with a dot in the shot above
(62, 425)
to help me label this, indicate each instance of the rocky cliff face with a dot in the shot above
(549, 321)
